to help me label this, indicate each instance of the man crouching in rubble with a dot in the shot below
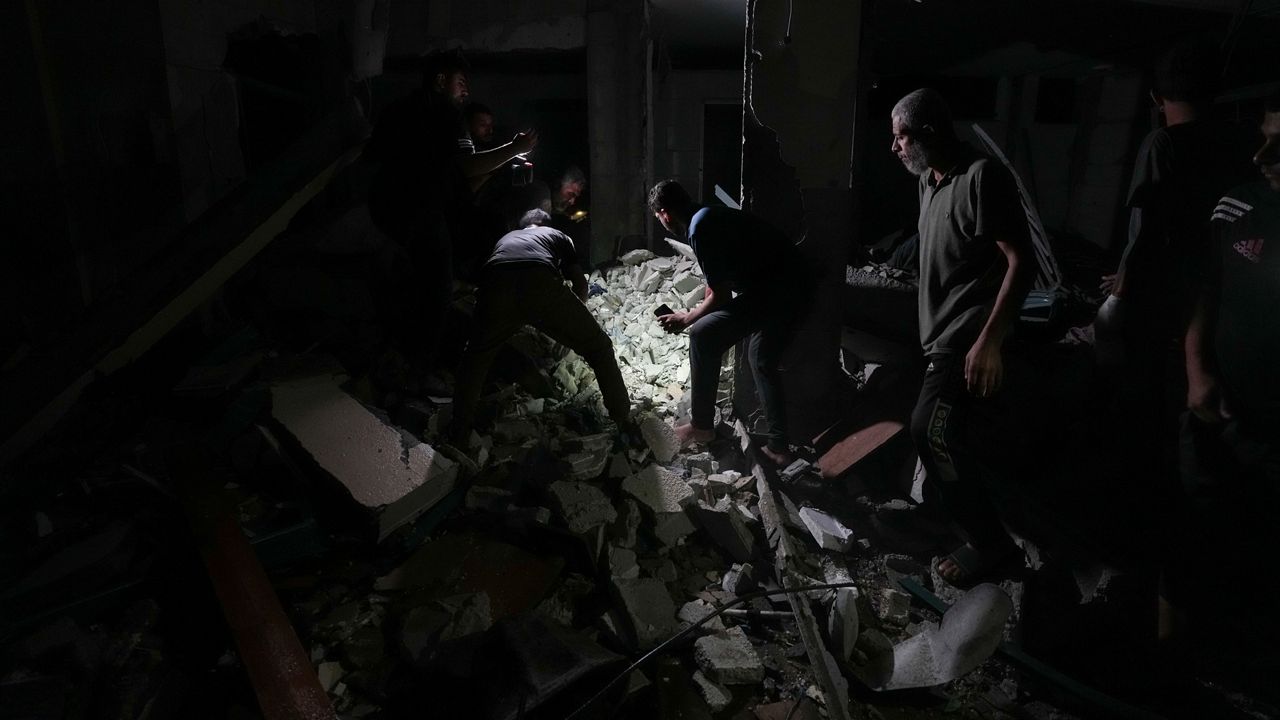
(742, 254)
(976, 267)
(522, 283)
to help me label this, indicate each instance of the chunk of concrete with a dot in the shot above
(793, 471)
(969, 633)
(842, 622)
(670, 527)
(329, 673)
(728, 658)
(738, 580)
(894, 607)
(660, 437)
(717, 696)
(389, 474)
(649, 608)
(583, 506)
(723, 523)
(635, 257)
(828, 532)
(703, 461)
(622, 563)
(694, 610)
(660, 489)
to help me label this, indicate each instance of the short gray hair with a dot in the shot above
(573, 174)
(925, 109)
(534, 217)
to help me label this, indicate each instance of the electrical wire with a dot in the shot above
(687, 631)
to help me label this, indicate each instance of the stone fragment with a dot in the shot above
(649, 608)
(622, 563)
(827, 531)
(723, 523)
(660, 437)
(694, 610)
(797, 468)
(703, 461)
(728, 658)
(635, 257)
(660, 489)
(894, 607)
(842, 622)
(738, 580)
(623, 530)
(329, 673)
(619, 467)
(717, 696)
(670, 527)
(583, 506)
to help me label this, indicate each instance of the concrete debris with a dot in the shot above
(623, 530)
(894, 607)
(583, 506)
(842, 622)
(622, 563)
(684, 249)
(329, 673)
(659, 489)
(724, 524)
(717, 696)
(538, 662)
(828, 532)
(388, 473)
(635, 257)
(969, 633)
(729, 658)
(694, 610)
(587, 465)
(660, 437)
(737, 580)
(703, 461)
(670, 527)
(649, 608)
(427, 629)
(793, 471)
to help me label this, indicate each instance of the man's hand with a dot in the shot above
(676, 322)
(1108, 284)
(1204, 398)
(983, 368)
(525, 141)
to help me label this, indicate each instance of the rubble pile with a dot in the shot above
(655, 364)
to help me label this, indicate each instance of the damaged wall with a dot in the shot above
(680, 100)
(801, 71)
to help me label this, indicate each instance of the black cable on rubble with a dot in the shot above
(686, 631)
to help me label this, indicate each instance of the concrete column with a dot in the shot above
(619, 107)
(801, 69)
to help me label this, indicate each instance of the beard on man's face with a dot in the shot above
(915, 159)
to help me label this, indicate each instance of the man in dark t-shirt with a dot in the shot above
(522, 283)
(420, 195)
(976, 266)
(756, 286)
(1231, 438)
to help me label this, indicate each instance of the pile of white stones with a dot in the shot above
(654, 363)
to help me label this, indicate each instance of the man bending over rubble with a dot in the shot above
(741, 254)
(976, 267)
(522, 283)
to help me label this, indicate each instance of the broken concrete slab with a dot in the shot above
(717, 696)
(893, 607)
(649, 608)
(583, 506)
(635, 257)
(427, 629)
(969, 633)
(388, 473)
(827, 531)
(738, 580)
(703, 461)
(660, 437)
(659, 489)
(728, 658)
(724, 524)
(329, 674)
(792, 472)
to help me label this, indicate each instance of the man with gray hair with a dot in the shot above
(976, 266)
(523, 283)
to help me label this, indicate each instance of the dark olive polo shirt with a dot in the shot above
(961, 268)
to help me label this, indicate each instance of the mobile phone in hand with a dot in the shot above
(662, 309)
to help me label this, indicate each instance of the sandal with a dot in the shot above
(976, 567)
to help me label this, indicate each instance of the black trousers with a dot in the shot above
(769, 319)
(959, 438)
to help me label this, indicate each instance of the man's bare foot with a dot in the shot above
(781, 459)
(687, 435)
